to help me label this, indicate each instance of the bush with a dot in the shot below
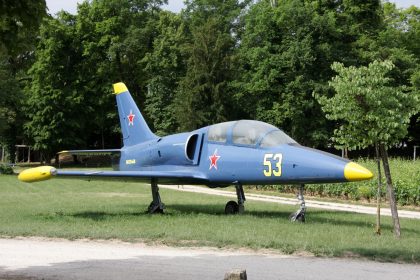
(365, 192)
(6, 169)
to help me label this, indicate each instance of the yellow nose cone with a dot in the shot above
(37, 174)
(355, 172)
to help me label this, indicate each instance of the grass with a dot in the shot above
(106, 210)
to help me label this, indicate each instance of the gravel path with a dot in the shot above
(37, 258)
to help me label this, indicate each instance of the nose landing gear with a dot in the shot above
(233, 207)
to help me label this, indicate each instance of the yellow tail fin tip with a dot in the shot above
(119, 88)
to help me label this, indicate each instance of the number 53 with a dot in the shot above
(269, 159)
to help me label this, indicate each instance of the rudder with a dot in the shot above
(134, 127)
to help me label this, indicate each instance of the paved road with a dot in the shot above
(32, 258)
(309, 203)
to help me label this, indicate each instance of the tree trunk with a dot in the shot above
(378, 194)
(390, 188)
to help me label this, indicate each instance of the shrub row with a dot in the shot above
(6, 169)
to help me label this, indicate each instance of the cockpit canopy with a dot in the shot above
(249, 133)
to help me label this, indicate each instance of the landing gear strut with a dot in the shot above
(156, 206)
(299, 215)
(233, 207)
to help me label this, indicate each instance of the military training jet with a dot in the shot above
(235, 153)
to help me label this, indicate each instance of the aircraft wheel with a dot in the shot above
(300, 218)
(231, 208)
(154, 209)
(297, 217)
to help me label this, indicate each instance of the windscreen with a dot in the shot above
(276, 138)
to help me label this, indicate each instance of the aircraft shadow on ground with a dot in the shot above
(316, 217)
(172, 210)
(218, 210)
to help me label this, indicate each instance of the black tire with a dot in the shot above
(152, 209)
(231, 208)
(301, 218)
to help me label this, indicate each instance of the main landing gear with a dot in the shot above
(233, 207)
(156, 206)
(299, 215)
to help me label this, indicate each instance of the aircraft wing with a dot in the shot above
(47, 172)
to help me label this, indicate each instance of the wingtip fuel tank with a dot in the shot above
(37, 174)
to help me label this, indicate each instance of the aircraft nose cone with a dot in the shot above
(356, 172)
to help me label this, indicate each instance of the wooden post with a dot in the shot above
(415, 150)
(378, 194)
(29, 154)
(236, 274)
(390, 188)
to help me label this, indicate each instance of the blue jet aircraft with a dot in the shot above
(235, 153)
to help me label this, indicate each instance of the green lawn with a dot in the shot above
(102, 210)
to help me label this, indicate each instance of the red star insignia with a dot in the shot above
(131, 118)
(213, 160)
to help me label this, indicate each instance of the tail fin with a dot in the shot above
(134, 127)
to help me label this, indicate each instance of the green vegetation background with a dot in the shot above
(215, 61)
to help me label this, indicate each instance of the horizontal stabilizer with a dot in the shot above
(91, 152)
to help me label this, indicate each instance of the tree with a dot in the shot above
(115, 37)
(204, 95)
(77, 59)
(286, 51)
(371, 113)
(54, 106)
(19, 23)
(399, 40)
(165, 65)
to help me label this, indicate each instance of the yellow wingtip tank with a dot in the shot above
(356, 172)
(119, 88)
(37, 174)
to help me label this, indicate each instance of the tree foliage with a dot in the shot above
(204, 94)
(19, 23)
(216, 60)
(165, 65)
(369, 108)
(286, 52)
(78, 57)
